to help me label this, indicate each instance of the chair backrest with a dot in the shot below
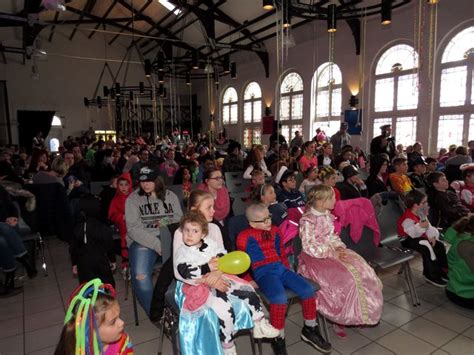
(239, 205)
(387, 220)
(237, 185)
(178, 190)
(97, 186)
(363, 174)
(166, 243)
(229, 176)
(365, 247)
(299, 179)
(235, 225)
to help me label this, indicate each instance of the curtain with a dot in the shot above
(32, 122)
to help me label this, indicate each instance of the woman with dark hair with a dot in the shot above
(148, 209)
(295, 155)
(255, 160)
(183, 178)
(233, 161)
(308, 159)
(214, 183)
(39, 161)
(377, 180)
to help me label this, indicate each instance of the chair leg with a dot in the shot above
(43, 258)
(174, 339)
(252, 342)
(259, 346)
(162, 336)
(409, 282)
(415, 292)
(135, 310)
(126, 277)
(324, 325)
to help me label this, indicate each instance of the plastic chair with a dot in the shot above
(236, 186)
(239, 205)
(381, 257)
(97, 186)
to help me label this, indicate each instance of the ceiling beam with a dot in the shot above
(86, 9)
(143, 8)
(104, 16)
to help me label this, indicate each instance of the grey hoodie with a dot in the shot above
(144, 215)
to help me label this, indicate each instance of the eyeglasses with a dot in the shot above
(266, 220)
(217, 178)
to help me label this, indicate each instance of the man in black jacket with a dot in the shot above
(384, 143)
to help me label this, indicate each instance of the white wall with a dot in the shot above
(63, 81)
(312, 50)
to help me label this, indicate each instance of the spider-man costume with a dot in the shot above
(270, 270)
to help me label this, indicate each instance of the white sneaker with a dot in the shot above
(263, 329)
(230, 351)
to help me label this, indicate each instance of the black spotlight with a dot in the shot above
(161, 62)
(130, 95)
(195, 60)
(233, 70)
(147, 68)
(216, 77)
(226, 64)
(142, 87)
(99, 102)
(386, 12)
(188, 78)
(161, 77)
(117, 89)
(164, 93)
(106, 91)
(86, 102)
(160, 90)
(332, 22)
(353, 101)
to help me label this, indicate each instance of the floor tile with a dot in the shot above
(432, 294)
(42, 338)
(373, 349)
(460, 346)
(404, 301)
(45, 351)
(44, 319)
(146, 331)
(429, 331)
(450, 320)
(377, 331)
(37, 291)
(12, 345)
(440, 352)
(11, 327)
(396, 316)
(390, 292)
(404, 343)
(18, 299)
(151, 347)
(41, 304)
(301, 348)
(352, 342)
(469, 313)
(11, 310)
(469, 333)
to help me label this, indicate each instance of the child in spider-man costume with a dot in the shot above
(270, 270)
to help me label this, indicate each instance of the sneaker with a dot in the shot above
(263, 329)
(279, 346)
(313, 337)
(445, 277)
(230, 351)
(438, 282)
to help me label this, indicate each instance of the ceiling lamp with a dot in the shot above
(286, 18)
(141, 86)
(226, 64)
(332, 22)
(267, 4)
(432, 2)
(188, 78)
(195, 60)
(117, 89)
(386, 12)
(161, 77)
(147, 68)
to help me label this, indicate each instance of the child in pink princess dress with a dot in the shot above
(351, 292)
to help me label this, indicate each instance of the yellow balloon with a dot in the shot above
(235, 263)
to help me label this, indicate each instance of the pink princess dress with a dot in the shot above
(351, 292)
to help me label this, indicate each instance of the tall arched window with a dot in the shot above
(456, 94)
(326, 98)
(230, 106)
(291, 104)
(252, 114)
(396, 93)
(56, 121)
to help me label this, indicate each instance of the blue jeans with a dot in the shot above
(11, 247)
(142, 260)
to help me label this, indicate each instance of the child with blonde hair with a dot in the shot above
(351, 292)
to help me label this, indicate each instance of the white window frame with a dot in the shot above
(395, 74)
(228, 105)
(252, 96)
(286, 91)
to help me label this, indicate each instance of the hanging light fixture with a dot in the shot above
(233, 70)
(195, 60)
(161, 77)
(147, 68)
(226, 64)
(86, 102)
(216, 78)
(142, 87)
(286, 18)
(188, 78)
(432, 2)
(332, 22)
(267, 4)
(130, 95)
(161, 62)
(386, 12)
(117, 89)
(353, 102)
(106, 91)
(160, 90)
(99, 102)
(164, 93)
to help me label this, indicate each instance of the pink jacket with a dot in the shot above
(358, 212)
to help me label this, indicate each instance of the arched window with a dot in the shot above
(56, 121)
(396, 93)
(291, 104)
(326, 98)
(252, 114)
(456, 93)
(230, 106)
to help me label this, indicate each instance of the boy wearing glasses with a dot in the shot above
(418, 234)
(288, 194)
(270, 271)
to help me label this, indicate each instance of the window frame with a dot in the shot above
(291, 95)
(228, 106)
(395, 113)
(255, 124)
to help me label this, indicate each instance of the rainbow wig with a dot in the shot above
(81, 306)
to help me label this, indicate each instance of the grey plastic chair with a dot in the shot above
(239, 205)
(382, 257)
